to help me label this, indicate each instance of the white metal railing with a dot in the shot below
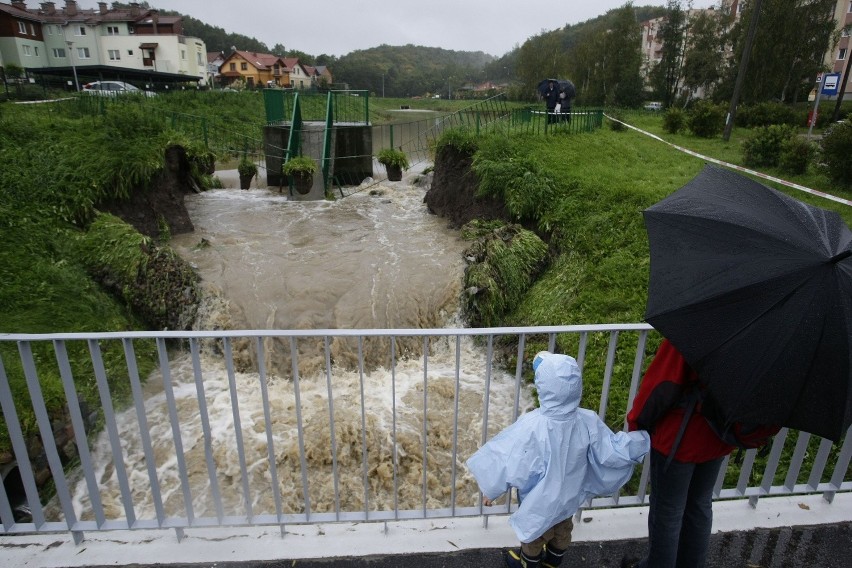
(273, 427)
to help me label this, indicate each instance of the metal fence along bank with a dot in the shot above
(247, 428)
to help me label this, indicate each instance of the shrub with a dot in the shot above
(299, 164)
(617, 124)
(836, 148)
(706, 120)
(391, 157)
(796, 154)
(520, 181)
(673, 120)
(246, 167)
(766, 114)
(763, 147)
(504, 260)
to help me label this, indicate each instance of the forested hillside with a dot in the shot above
(602, 56)
(411, 70)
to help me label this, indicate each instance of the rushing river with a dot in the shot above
(375, 259)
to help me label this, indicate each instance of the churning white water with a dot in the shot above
(372, 260)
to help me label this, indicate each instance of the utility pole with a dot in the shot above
(836, 116)
(73, 67)
(732, 110)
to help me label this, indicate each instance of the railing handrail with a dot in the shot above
(418, 427)
(408, 332)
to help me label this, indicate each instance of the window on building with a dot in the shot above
(35, 49)
(114, 55)
(27, 50)
(183, 54)
(842, 53)
(232, 66)
(80, 31)
(243, 66)
(32, 29)
(130, 52)
(58, 52)
(112, 30)
(199, 59)
(22, 28)
(83, 53)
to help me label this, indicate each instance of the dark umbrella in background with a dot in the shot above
(754, 288)
(561, 85)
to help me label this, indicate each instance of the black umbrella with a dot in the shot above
(754, 288)
(561, 85)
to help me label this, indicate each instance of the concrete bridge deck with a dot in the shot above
(782, 532)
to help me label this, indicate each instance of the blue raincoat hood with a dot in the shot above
(558, 455)
(559, 384)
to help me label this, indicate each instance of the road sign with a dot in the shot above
(830, 84)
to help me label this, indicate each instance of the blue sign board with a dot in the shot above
(830, 83)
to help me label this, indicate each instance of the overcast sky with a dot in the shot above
(337, 27)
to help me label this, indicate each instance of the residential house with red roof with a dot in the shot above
(256, 69)
(266, 70)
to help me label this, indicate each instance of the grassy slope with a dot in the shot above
(601, 276)
(600, 271)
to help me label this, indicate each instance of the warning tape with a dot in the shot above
(736, 167)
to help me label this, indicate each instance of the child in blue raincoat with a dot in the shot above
(557, 456)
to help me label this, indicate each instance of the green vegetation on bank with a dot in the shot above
(586, 202)
(58, 165)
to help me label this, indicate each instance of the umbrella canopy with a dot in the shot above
(754, 288)
(561, 85)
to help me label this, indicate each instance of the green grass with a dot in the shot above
(599, 248)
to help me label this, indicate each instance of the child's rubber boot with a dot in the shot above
(552, 557)
(515, 558)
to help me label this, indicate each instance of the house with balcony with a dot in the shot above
(132, 43)
(255, 69)
(259, 70)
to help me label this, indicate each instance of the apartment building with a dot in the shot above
(836, 60)
(103, 43)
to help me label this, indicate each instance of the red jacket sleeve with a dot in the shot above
(661, 388)
(658, 409)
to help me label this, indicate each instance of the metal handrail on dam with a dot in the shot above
(280, 427)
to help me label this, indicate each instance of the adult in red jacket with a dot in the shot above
(681, 497)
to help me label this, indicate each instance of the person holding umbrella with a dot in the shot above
(686, 455)
(551, 99)
(567, 92)
(752, 291)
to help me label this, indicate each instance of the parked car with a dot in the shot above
(654, 106)
(113, 88)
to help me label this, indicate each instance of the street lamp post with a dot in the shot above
(71, 60)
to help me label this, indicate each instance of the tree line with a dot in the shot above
(701, 53)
